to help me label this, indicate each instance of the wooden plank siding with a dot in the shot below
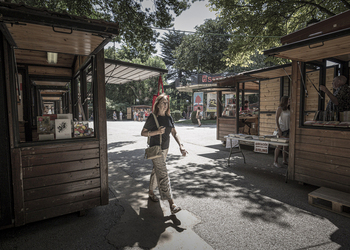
(267, 123)
(319, 157)
(226, 126)
(60, 179)
(269, 100)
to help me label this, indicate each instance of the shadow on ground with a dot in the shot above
(254, 184)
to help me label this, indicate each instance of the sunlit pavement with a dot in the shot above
(241, 206)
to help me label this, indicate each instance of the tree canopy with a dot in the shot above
(203, 50)
(257, 25)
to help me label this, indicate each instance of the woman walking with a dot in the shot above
(199, 116)
(159, 175)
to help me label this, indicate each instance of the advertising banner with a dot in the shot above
(211, 102)
(197, 100)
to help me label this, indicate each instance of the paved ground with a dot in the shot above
(241, 206)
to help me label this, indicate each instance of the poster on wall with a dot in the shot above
(197, 100)
(211, 102)
(229, 99)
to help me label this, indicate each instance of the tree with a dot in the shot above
(257, 25)
(169, 42)
(135, 23)
(203, 50)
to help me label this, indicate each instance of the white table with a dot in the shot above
(275, 143)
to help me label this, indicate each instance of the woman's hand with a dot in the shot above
(161, 130)
(279, 133)
(183, 151)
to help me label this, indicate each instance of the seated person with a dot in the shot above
(229, 111)
(246, 106)
(340, 99)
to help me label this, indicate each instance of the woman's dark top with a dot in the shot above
(165, 121)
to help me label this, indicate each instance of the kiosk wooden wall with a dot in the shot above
(317, 156)
(225, 126)
(53, 179)
(270, 91)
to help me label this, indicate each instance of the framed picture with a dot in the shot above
(63, 128)
(43, 125)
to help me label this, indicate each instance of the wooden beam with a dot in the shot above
(102, 123)
(293, 119)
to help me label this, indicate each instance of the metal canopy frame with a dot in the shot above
(119, 72)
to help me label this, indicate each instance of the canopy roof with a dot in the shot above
(326, 39)
(119, 72)
(33, 32)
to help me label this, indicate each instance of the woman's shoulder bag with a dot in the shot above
(154, 151)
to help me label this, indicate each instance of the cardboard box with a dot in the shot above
(253, 131)
(246, 130)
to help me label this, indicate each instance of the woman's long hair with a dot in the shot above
(156, 104)
(284, 103)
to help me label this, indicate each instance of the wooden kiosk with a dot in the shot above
(52, 65)
(319, 151)
(238, 85)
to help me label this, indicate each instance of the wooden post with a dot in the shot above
(218, 111)
(237, 105)
(101, 119)
(293, 118)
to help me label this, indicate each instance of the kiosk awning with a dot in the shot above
(119, 72)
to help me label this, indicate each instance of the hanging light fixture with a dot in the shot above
(52, 57)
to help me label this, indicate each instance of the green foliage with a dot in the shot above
(257, 25)
(193, 117)
(169, 42)
(176, 114)
(203, 50)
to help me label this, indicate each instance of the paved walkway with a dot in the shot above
(241, 206)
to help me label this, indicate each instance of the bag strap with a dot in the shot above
(160, 82)
(160, 136)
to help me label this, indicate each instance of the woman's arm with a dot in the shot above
(330, 95)
(278, 114)
(177, 139)
(160, 131)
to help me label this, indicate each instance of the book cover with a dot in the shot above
(63, 128)
(43, 125)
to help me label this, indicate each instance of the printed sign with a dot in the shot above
(197, 100)
(211, 102)
(261, 147)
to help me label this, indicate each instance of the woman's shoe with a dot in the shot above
(275, 164)
(153, 197)
(174, 209)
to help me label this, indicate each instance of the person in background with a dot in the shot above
(184, 114)
(135, 115)
(341, 97)
(245, 108)
(199, 116)
(159, 175)
(282, 123)
(114, 116)
(226, 111)
(120, 115)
